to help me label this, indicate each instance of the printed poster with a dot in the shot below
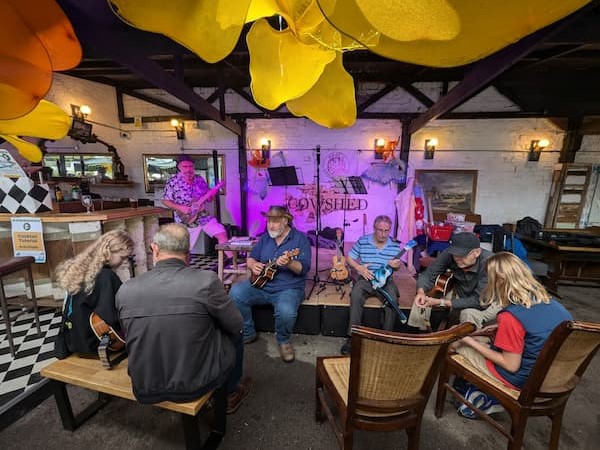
(28, 238)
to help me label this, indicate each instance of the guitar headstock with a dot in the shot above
(292, 254)
(410, 244)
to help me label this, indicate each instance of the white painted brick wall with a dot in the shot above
(509, 187)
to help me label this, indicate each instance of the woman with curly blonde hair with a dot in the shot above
(91, 283)
(527, 318)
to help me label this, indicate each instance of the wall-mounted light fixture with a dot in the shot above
(178, 125)
(80, 112)
(265, 144)
(261, 158)
(536, 147)
(430, 145)
(379, 147)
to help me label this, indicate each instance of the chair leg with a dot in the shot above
(6, 318)
(441, 391)
(556, 426)
(36, 314)
(517, 431)
(414, 436)
(348, 439)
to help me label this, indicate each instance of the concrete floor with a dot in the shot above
(279, 413)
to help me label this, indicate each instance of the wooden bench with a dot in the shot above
(88, 373)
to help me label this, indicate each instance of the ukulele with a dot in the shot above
(110, 340)
(197, 206)
(381, 275)
(339, 271)
(268, 272)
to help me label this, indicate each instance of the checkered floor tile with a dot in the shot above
(18, 375)
(206, 262)
(33, 352)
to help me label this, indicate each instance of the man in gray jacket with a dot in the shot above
(183, 332)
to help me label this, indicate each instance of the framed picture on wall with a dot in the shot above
(449, 190)
(158, 168)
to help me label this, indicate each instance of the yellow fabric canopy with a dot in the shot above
(35, 39)
(301, 65)
(46, 121)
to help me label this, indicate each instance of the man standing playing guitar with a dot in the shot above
(466, 260)
(186, 194)
(285, 254)
(369, 253)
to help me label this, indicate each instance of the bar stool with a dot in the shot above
(9, 266)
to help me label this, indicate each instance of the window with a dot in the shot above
(159, 168)
(77, 165)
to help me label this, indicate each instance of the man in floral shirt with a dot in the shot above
(181, 191)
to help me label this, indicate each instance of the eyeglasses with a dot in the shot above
(383, 230)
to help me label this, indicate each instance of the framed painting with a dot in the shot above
(449, 190)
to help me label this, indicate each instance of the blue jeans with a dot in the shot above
(285, 305)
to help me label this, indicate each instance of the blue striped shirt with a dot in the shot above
(367, 252)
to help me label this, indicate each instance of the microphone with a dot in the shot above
(318, 154)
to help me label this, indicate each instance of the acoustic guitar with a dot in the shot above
(339, 271)
(268, 272)
(444, 283)
(110, 340)
(197, 206)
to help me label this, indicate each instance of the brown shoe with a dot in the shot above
(234, 401)
(287, 352)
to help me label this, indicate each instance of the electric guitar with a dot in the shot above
(110, 340)
(268, 272)
(381, 275)
(197, 205)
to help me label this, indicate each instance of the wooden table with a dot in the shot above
(237, 269)
(569, 263)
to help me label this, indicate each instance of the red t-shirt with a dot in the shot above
(510, 337)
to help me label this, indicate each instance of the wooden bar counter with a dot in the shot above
(66, 234)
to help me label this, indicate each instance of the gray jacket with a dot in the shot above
(178, 323)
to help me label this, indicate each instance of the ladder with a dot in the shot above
(567, 196)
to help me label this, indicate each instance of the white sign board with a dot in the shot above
(28, 238)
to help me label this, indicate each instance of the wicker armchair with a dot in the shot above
(384, 384)
(559, 367)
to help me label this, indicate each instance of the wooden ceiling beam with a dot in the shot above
(95, 26)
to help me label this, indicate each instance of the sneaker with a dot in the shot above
(234, 401)
(461, 386)
(485, 403)
(345, 350)
(250, 339)
(287, 352)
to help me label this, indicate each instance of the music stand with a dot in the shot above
(283, 176)
(347, 183)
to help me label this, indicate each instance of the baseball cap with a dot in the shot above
(462, 243)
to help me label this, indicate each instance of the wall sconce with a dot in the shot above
(178, 125)
(80, 112)
(430, 145)
(265, 144)
(379, 147)
(261, 158)
(536, 147)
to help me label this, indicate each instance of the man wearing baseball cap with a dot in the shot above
(465, 259)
